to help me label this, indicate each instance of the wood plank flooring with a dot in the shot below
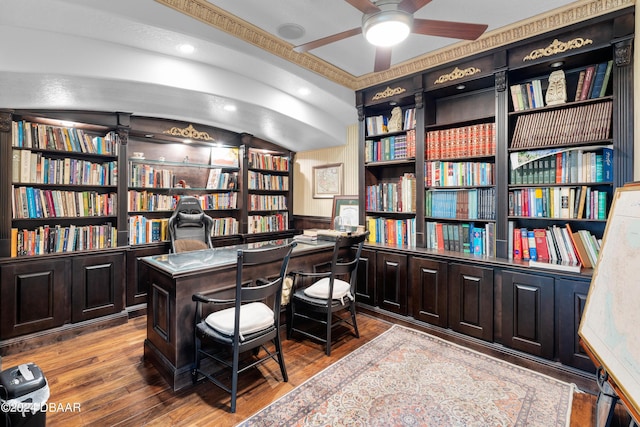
(104, 373)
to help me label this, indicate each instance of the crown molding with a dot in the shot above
(581, 10)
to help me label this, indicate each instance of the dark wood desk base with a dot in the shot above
(170, 310)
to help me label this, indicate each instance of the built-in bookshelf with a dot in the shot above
(562, 165)
(63, 186)
(390, 183)
(269, 191)
(163, 169)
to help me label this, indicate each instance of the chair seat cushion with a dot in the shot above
(254, 317)
(320, 289)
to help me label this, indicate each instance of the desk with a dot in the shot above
(172, 279)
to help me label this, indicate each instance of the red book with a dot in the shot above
(517, 244)
(540, 235)
(588, 79)
(575, 247)
(524, 240)
(440, 235)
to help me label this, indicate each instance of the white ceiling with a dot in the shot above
(121, 55)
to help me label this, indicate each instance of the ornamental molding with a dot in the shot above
(457, 74)
(188, 132)
(556, 47)
(388, 92)
(573, 13)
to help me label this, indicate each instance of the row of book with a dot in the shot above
(46, 137)
(465, 141)
(35, 168)
(395, 196)
(261, 181)
(260, 202)
(147, 176)
(588, 122)
(30, 202)
(147, 230)
(555, 247)
(56, 239)
(467, 237)
(526, 96)
(476, 203)
(451, 174)
(566, 167)
(377, 125)
(390, 148)
(593, 81)
(145, 201)
(268, 161)
(390, 231)
(559, 202)
(219, 180)
(268, 223)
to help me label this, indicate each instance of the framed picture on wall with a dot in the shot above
(327, 181)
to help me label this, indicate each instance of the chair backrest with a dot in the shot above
(345, 259)
(189, 227)
(256, 285)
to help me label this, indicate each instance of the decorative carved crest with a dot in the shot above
(388, 92)
(456, 74)
(189, 132)
(556, 47)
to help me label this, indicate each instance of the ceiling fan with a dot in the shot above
(398, 13)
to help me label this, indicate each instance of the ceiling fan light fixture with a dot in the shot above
(387, 28)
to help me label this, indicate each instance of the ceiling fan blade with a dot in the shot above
(455, 30)
(364, 6)
(326, 40)
(383, 59)
(411, 6)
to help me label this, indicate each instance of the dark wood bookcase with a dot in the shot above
(491, 300)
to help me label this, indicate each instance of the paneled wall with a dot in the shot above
(303, 201)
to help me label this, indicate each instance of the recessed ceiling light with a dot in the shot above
(230, 107)
(460, 87)
(290, 31)
(304, 91)
(186, 48)
(557, 64)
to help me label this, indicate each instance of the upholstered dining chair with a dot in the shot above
(189, 227)
(250, 321)
(324, 297)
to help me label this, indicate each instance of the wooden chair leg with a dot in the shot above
(234, 379)
(353, 319)
(329, 318)
(283, 368)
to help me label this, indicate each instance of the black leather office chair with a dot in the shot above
(189, 227)
(311, 304)
(252, 321)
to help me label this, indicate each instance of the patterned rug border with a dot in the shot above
(364, 348)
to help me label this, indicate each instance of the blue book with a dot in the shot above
(478, 243)
(607, 164)
(533, 251)
(598, 80)
(31, 202)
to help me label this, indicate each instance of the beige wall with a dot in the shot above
(303, 201)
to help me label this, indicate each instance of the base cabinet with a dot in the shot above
(136, 292)
(471, 300)
(98, 286)
(571, 297)
(528, 313)
(366, 284)
(428, 281)
(391, 282)
(34, 297)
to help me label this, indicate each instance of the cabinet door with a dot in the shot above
(391, 282)
(98, 286)
(136, 279)
(528, 313)
(34, 297)
(571, 297)
(471, 300)
(428, 280)
(366, 283)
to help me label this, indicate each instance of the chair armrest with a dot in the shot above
(209, 300)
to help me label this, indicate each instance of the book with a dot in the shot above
(574, 246)
(556, 265)
(517, 243)
(524, 241)
(531, 243)
(588, 80)
(598, 80)
(605, 83)
(542, 247)
(607, 164)
(579, 86)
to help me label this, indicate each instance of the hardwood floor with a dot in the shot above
(105, 375)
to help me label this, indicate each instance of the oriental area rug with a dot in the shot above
(408, 378)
